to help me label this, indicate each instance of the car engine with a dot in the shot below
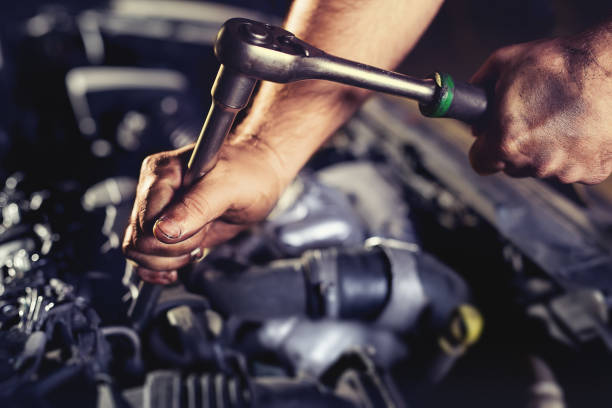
(388, 275)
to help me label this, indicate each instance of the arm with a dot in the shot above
(286, 124)
(295, 119)
(552, 110)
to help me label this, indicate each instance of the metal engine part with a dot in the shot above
(356, 291)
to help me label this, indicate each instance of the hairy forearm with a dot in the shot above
(589, 51)
(292, 120)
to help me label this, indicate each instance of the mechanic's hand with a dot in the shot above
(551, 111)
(171, 227)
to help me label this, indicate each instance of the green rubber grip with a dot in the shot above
(458, 100)
(443, 96)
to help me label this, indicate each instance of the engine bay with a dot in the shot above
(388, 275)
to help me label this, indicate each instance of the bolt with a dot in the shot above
(256, 33)
(285, 39)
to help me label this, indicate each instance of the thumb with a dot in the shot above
(200, 204)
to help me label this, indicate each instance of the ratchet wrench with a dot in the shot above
(250, 51)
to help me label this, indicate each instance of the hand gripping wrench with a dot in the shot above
(250, 51)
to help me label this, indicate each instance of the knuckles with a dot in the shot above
(568, 177)
(150, 163)
(507, 150)
(164, 164)
(155, 161)
(543, 170)
(594, 179)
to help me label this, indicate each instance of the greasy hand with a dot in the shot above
(551, 113)
(171, 226)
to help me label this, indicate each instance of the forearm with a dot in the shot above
(589, 50)
(293, 120)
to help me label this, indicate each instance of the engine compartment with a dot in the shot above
(389, 274)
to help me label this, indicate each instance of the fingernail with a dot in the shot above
(167, 227)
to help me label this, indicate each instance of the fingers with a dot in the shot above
(172, 225)
(157, 277)
(160, 179)
(158, 260)
(484, 158)
(165, 277)
(167, 225)
(531, 160)
(176, 237)
(149, 244)
(487, 156)
(495, 148)
(147, 252)
(159, 263)
(206, 200)
(527, 132)
(488, 76)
